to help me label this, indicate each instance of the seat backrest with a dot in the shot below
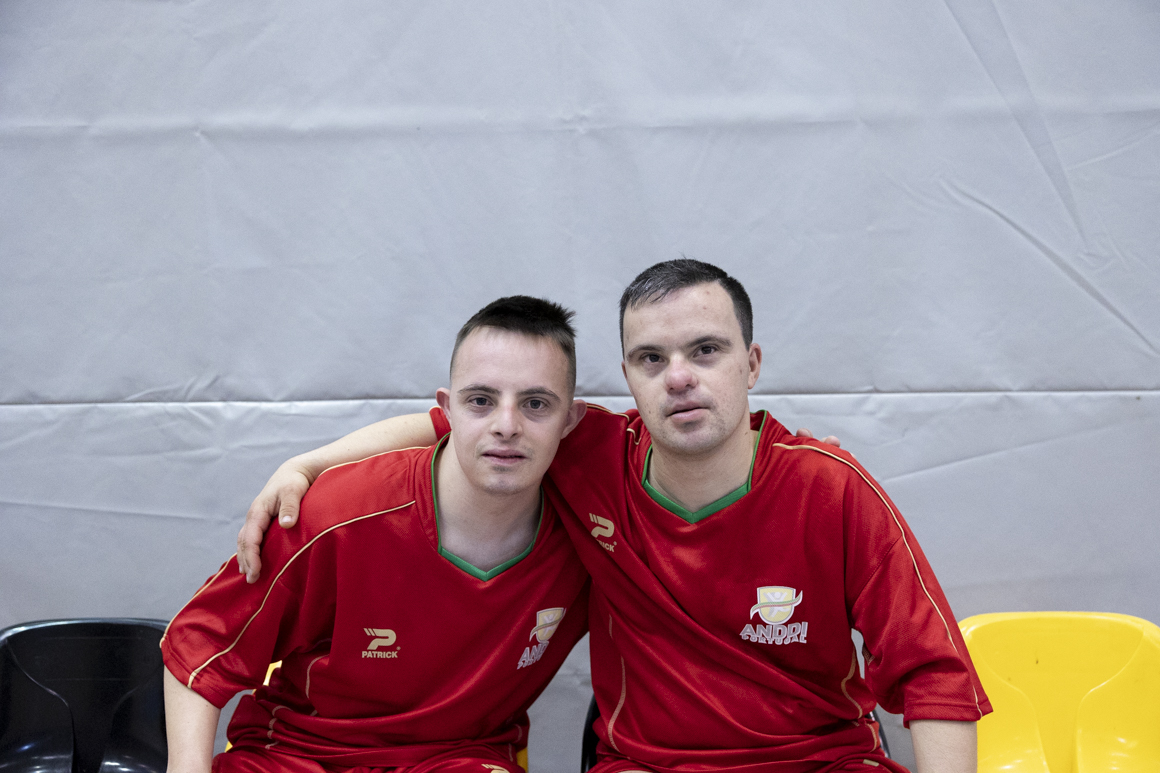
(1118, 723)
(1038, 668)
(83, 692)
(35, 725)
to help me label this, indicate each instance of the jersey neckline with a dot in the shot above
(712, 507)
(460, 563)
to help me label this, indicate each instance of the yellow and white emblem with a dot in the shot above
(547, 621)
(775, 603)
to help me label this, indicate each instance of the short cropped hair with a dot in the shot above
(658, 281)
(530, 316)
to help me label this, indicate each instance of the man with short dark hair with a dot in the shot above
(426, 599)
(730, 561)
(733, 561)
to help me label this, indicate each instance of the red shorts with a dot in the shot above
(250, 760)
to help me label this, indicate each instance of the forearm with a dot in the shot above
(282, 494)
(190, 725)
(408, 431)
(942, 746)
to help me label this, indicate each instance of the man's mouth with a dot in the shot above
(683, 410)
(503, 456)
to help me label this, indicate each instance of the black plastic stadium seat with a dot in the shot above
(881, 734)
(76, 693)
(588, 744)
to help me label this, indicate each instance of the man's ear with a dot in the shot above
(576, 412)
(754, 363)
(443, 398)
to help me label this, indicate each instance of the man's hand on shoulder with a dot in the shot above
(829, 439)
(279, 498)
(284, 491)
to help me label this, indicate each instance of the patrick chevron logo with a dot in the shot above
(380, 637)
(604, 528)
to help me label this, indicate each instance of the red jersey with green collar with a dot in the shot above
(721, 639)
(392, 650)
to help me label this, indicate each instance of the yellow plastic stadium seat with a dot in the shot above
(1073, 692)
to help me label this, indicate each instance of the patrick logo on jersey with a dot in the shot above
(380, 637)
(776, 605)
(547, 621)
(603, 529)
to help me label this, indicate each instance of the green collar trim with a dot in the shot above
(712, 507)
(471, 569)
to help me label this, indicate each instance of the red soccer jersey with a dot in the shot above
(721, 639)
(391, 650)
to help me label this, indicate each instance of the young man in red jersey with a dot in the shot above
(730, 561)
(426, 599)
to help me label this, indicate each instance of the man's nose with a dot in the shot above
(506, 420)
(679, 375)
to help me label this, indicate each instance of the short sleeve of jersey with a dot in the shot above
(225, 638)
(916, 661)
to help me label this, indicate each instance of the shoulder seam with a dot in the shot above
(194, 674)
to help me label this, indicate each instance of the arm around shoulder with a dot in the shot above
(284, 491)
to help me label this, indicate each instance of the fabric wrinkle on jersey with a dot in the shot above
(722, 642)
(391, 653)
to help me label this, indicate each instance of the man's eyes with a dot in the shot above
(652, 358)
(483, 401)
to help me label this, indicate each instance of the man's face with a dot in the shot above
(509, 404)
(689, 370)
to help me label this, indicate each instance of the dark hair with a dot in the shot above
(658, 281)
(530, 316)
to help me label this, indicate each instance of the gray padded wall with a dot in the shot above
(230, 232)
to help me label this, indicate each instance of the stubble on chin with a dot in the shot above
(687, 441)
